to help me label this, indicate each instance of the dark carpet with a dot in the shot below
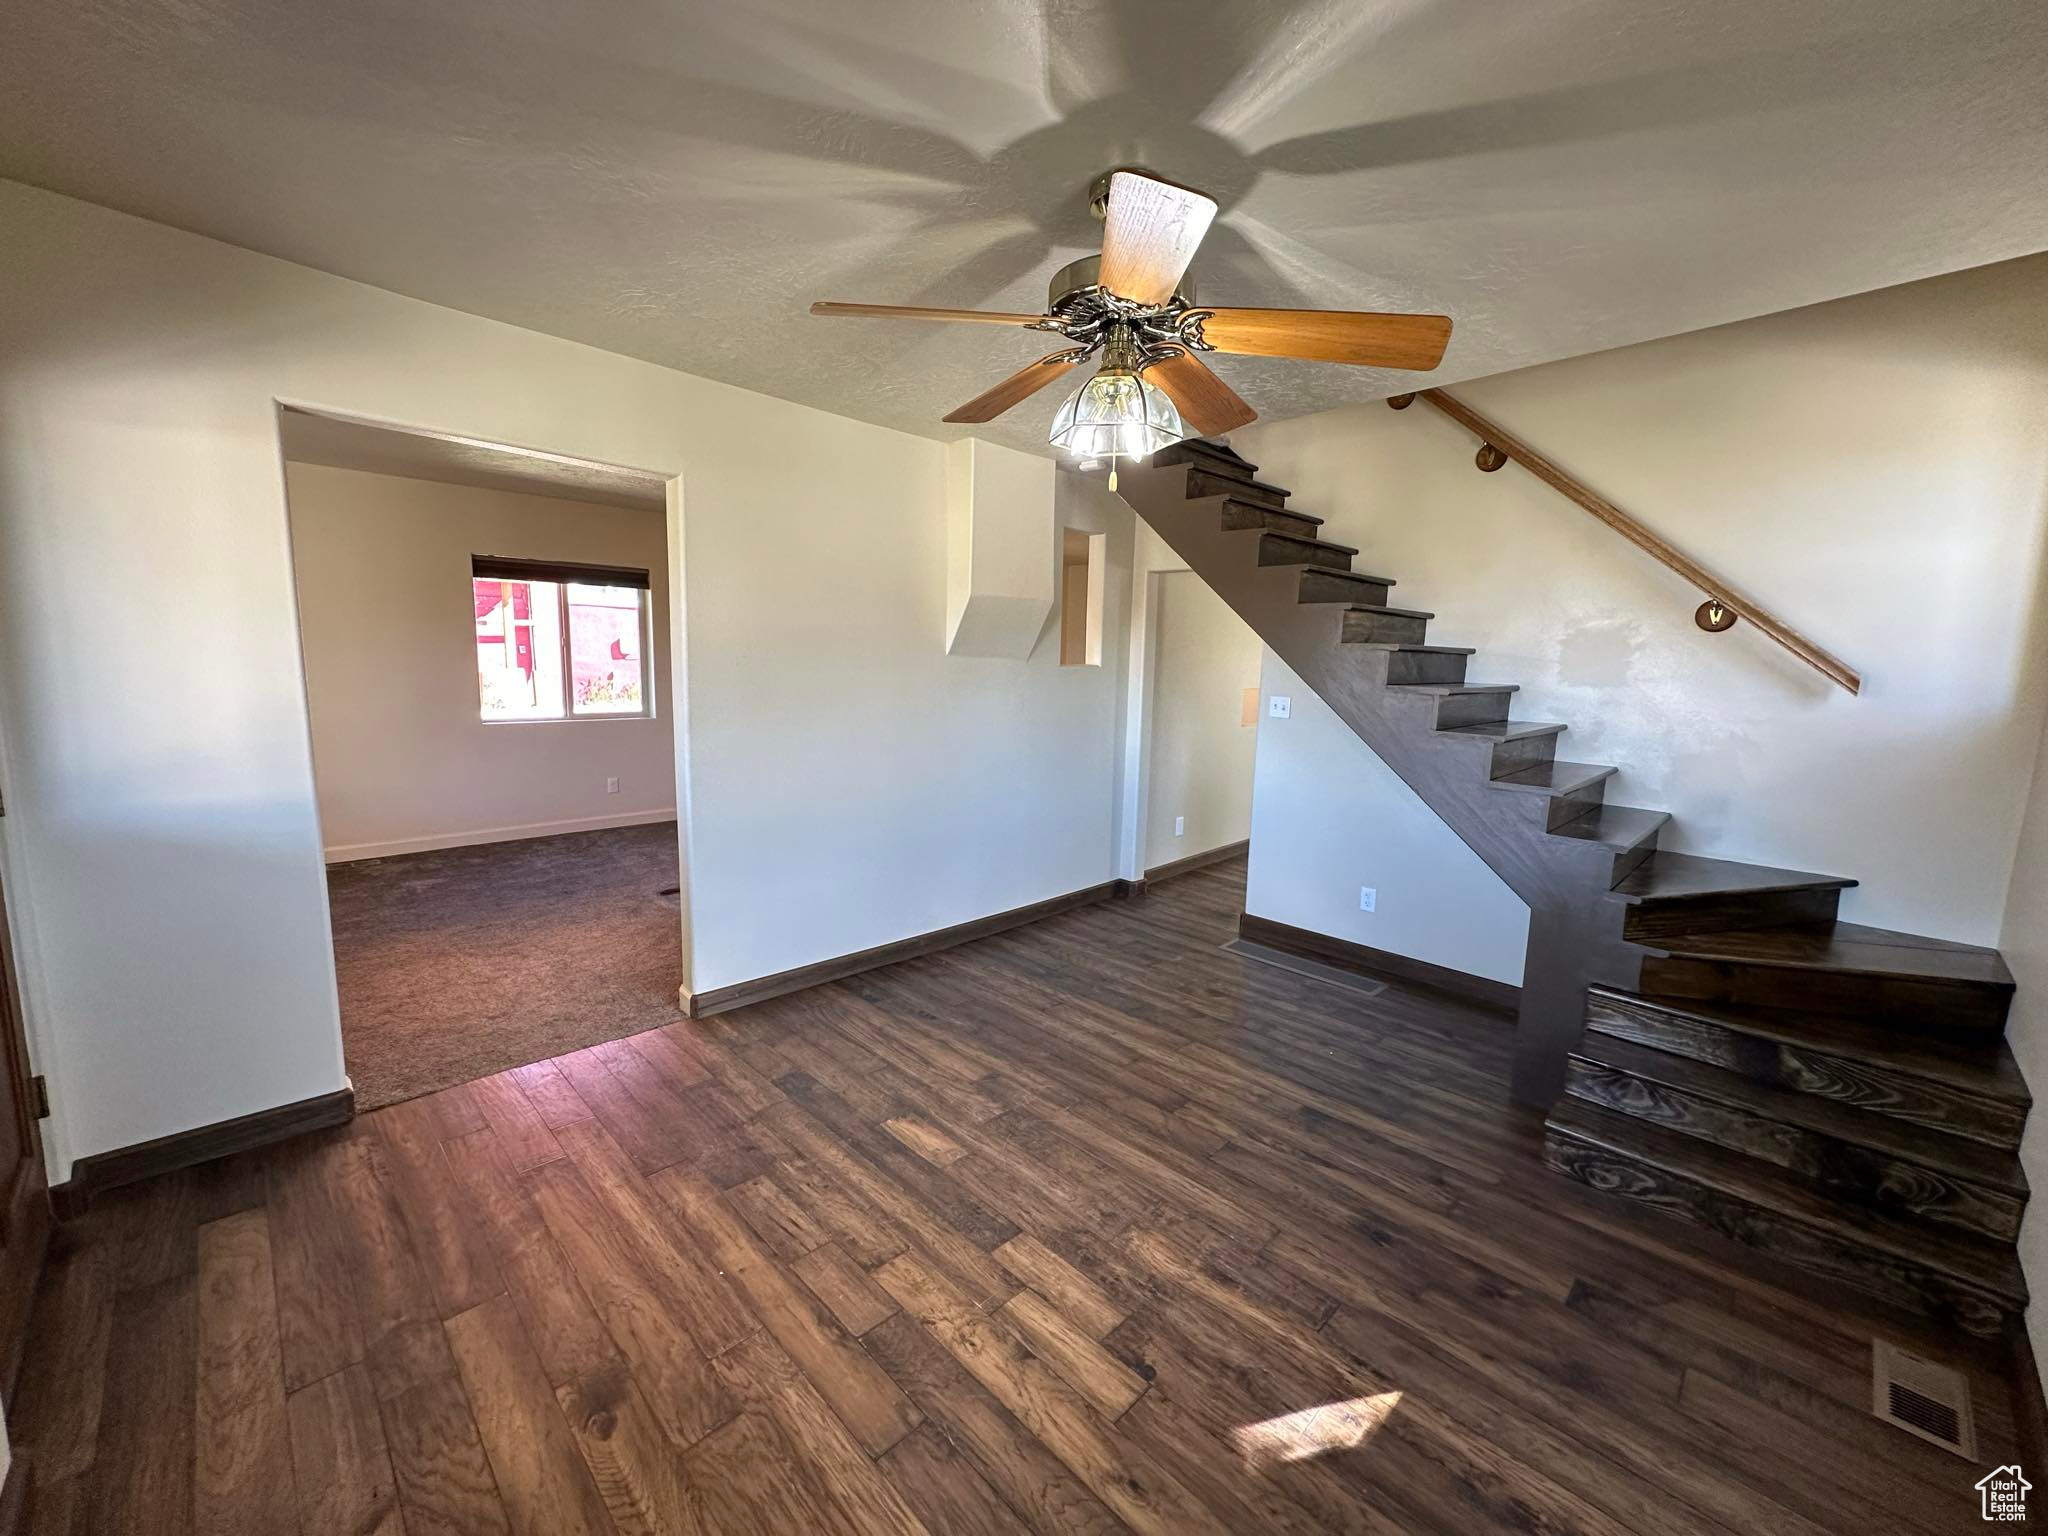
(464, 962)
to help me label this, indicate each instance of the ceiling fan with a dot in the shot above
(1136, 305)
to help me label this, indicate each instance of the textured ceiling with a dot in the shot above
(678, 180)
(313, 437)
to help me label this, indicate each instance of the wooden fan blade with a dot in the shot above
(1205, 402)
(1150, 236)
(1331, 336)
(916, 312)
(1021, 385)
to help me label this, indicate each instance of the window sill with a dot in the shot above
(574, 720)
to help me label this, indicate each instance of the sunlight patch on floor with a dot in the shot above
(1311, 1432)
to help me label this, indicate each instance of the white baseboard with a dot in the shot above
(349, 852)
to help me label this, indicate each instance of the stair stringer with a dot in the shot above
(1574, 924)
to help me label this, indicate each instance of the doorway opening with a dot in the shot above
(1201, 719)
(484, 634)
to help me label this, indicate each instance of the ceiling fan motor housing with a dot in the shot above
(1079, 280)
(1098, 189)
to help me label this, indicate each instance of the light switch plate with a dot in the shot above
(1279, 706)
(1180, 825)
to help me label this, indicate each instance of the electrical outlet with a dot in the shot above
(1368, 899)
(611, 786)
(1180, 825)
(1279, 706)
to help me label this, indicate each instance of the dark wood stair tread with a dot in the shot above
(1219, 470)
(1305, 541)
(1847, 948)
(1202, 448)
(1447, 690)
(1992, 1076)
(1683, 876)
(1416, 646)
(1391, 613)
(1620, 827)
(1559, 778)
(1998, 1168)
(1300, 517)
(1984, 1264)
(1361, 578)
(1497, 731)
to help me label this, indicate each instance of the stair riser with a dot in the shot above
(1763, 909)
(1205, 482)
(1916, 1100)
(1274, 551)
(1609, 860)
(1383, 629)
(1242, 515)
(1472, 709)
(1627, 861)
(1319, 586)
(1865, 1175)
(1514, 756)
(1935, 1009)
(1565, 809)
(1834, 1255)
(1426, 667)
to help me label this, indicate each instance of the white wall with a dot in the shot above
(842, 782)
(1329, 817)
(1875, 470)
(2025, 947)
(860, 785)
(1201, 759)
(402, 758)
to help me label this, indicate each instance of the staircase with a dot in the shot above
(1707, 1036)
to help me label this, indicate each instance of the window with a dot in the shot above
(606, 625)
(559, 642)
(519, 649)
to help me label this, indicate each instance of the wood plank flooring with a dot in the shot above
(1088, 1227)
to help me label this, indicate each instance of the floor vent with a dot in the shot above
(1922, 1398)
(1315, 970)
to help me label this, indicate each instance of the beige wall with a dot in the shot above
(1206, 656)
(1875, 470)
(402, 758)
(1329, 817)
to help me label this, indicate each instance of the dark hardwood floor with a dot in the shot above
(1091, 1226)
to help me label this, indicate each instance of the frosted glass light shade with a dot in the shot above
(1118, 412)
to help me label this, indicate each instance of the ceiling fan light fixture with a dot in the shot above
(1135, 302)
(1117, 414)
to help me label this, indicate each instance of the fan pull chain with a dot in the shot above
(1112, 472)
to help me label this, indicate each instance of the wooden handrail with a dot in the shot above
(1505, 445)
